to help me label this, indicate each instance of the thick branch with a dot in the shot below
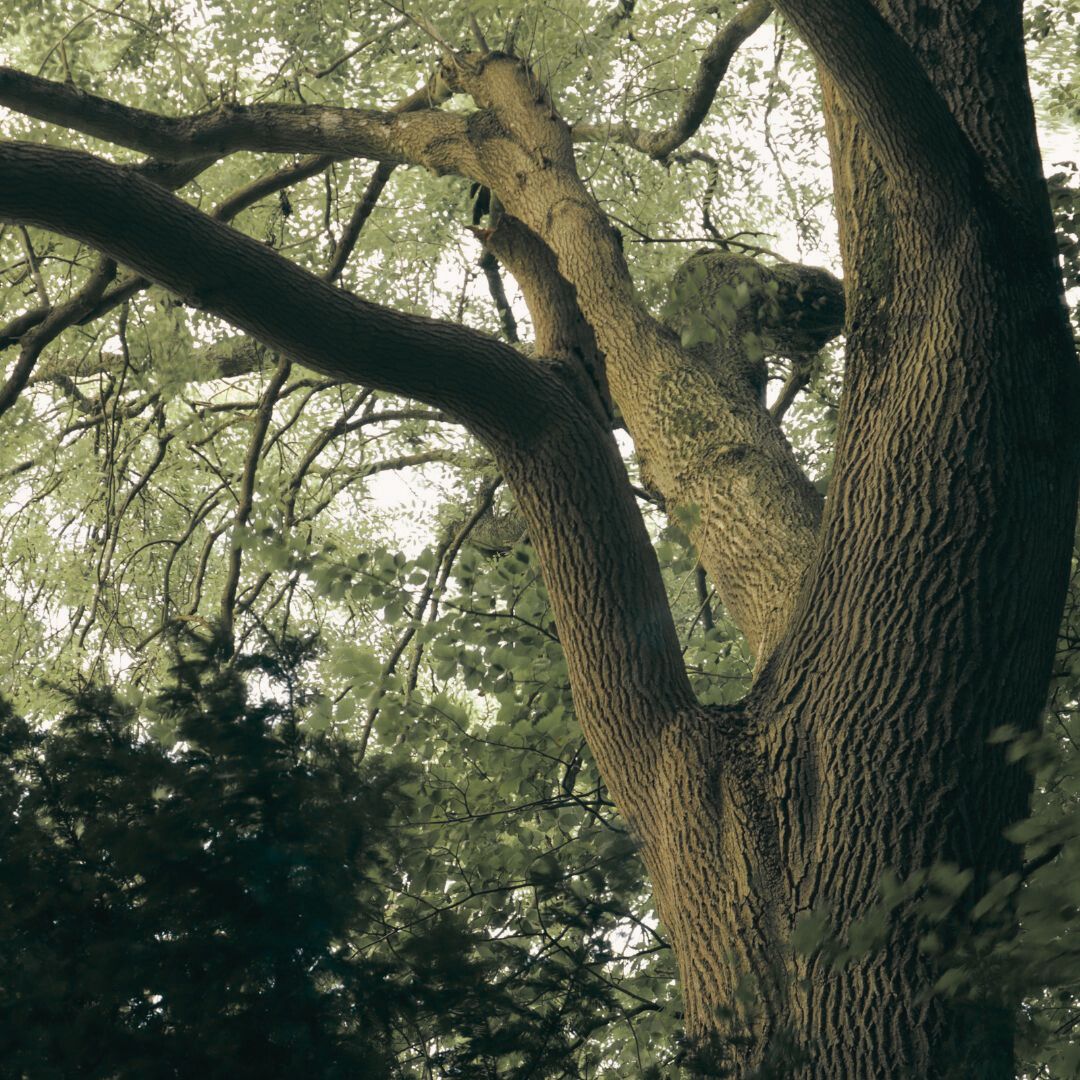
(561, 458)
(629, 685)
(168, 175)
(884, 85)
(214, 268)
(712, 448)
(408, 133)
(227, 359)
(561, 331)
(697, 100)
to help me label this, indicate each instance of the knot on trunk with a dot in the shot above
(743, 310)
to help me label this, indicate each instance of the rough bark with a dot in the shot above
(931, 608)
(929, 613)
(684, 776)
(713, 448)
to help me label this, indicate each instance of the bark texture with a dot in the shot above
(893, 633)
(930, 610)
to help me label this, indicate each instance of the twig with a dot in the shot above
(331, 68)
(247, 489)
(345, 245)
(478, 35)
(35, 268)
(58, 320)
(435, 583)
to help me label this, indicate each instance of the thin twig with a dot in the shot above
(32, 262)
(247, 488)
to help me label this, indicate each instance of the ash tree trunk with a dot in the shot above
(894, 628)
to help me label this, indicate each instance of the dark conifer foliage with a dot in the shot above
(188, 911)
(199, 888)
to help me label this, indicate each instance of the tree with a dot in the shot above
(894, 627)
(166, 911)
(203, 903)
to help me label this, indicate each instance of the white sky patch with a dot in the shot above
(406, 496)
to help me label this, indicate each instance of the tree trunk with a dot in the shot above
(894, 635)
(931, 607)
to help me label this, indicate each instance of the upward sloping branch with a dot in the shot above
(408, 133)
(712, 448)
(225, 211)
(623, 655)
(698, 98)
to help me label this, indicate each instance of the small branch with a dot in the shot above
(58, 320)
(704, 594)
(435, 585)
(332, 67)
(32, 262)
(641, 237)
(713, 68)
(327, 436)
(793, 386)
(245, 498)
(698, 99)
(344, 247)
(510, 38)
(1040, 861)
(490, 265)
(478, 35)
(446, 563)
(431, 94)
(270, 184)
(426, 25)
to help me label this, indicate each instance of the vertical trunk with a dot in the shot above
(680, 773)
(929, 614)
(927, 617)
